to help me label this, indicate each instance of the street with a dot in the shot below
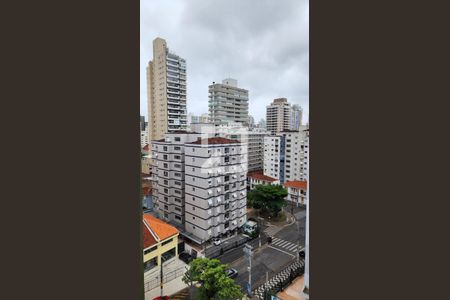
(269, 258)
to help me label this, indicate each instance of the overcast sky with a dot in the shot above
(264, 44)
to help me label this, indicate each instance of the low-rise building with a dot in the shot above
(257, 177)
(160, 242)
(296, 192)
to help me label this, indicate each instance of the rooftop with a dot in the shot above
(215, 141)
(145, 147)
(149, 240)
(259, 174)
(160, 229)
(296, 184)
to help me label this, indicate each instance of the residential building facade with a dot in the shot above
(278, 115)
(286, 155)
(215, 187)
(255, 178)
(168, 175)
(296, 117)
(166, 90)
(228, 103)
(296, 192)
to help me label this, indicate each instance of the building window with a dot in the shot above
(177, 139)
(177, 157)
(166, 191)
(227, 178)
(165, 156)
(177, 183)
(165, 165)
(176, 148)
(166, 242)
(226, 159)
(193, 218)
(150, 250)
(227, 150)
(193, 169)
(166, 182)
(177, 174)
(178, 218)
(165, 148)
(193, 189)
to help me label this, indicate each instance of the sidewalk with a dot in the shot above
(173, 272)
(169, 288)
(293, 291)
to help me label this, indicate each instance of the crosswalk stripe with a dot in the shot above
(292, 247)
(278, 242)
(283, 243)
(276, 239)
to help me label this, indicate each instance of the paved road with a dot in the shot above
(269, 258)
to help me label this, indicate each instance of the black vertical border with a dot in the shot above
(70, 117)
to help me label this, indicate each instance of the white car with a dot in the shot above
(216, 241)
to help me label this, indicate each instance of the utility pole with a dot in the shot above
(161, 276)
(248, 255)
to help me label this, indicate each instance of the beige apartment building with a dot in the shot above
(166, 90)
(281, 116)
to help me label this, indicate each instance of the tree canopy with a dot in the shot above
(215, 284)
(268, 198)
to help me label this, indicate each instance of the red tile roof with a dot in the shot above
(149, 240)
(260, 175)
(160, 229)
(296, 184)
(145, 147)
(146, 190)
(215, 141)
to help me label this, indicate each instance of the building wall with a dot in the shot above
(166, 90)
(215, 190)
(298, 196)
(286, 156)
(168, 176)
(227, 103)
(160, 249)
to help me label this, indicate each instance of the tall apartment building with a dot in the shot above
(296, 117)
(168, 175)
(215, 187)
(142, 123)
(166, 90)
(286, 155)
(253, 139)
(199, 185)
(144, 137)
(281, 116)
(228, 103)
(278, 115)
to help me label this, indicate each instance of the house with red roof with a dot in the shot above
(160, 242)
(296, 192)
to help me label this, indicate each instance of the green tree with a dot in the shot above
(215, 284)
(268, 198)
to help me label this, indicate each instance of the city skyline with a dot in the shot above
(270, 61)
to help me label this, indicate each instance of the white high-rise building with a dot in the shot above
(215, 177)
(253, 139)
(228, 103)
(296, 117)
(168, 175)
(286, 155)
(199, 185)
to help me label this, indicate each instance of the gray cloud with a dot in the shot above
(264, 44)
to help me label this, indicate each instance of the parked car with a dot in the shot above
(232, 273)
(216, 241)
(302, 253)
(161, 298)
(186, 257)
